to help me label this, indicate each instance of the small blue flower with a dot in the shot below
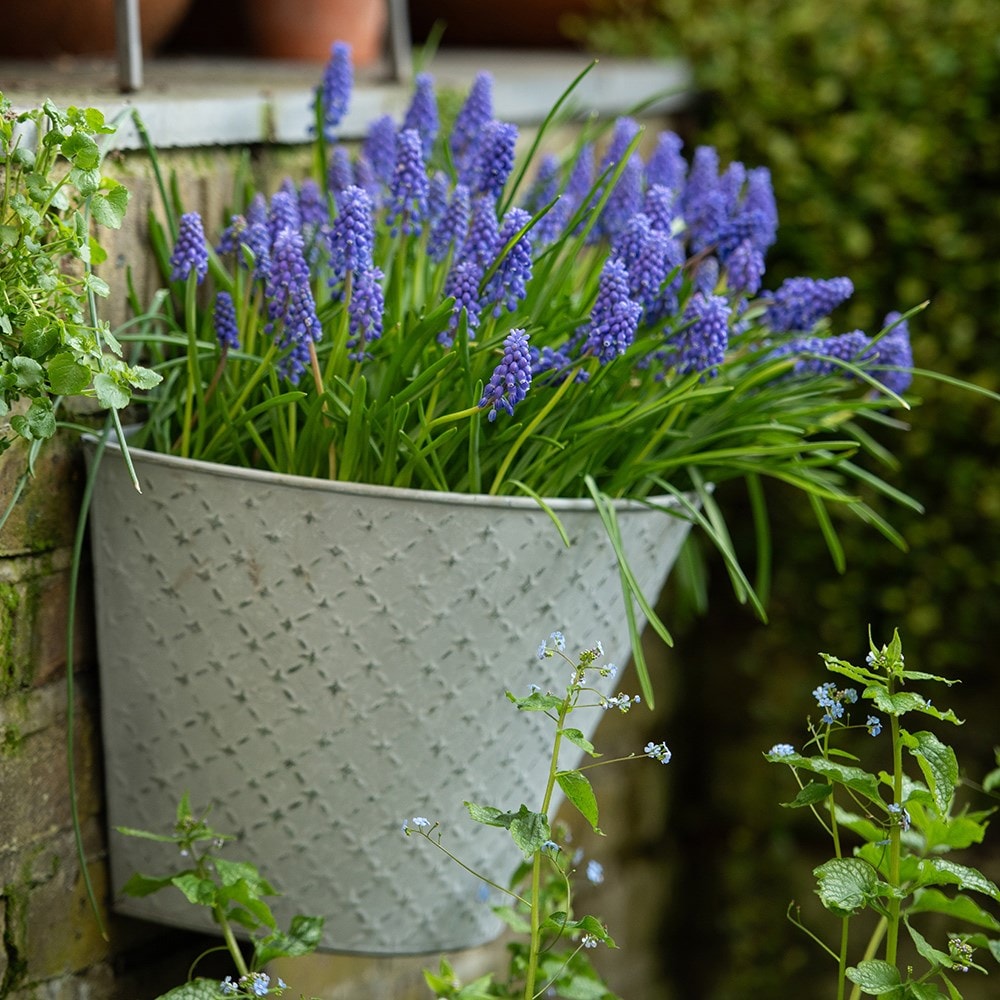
(259, 984)
(558, 640)
(542, 652)
(224, 321)
(589, 941)
(227, 987)
(595, 872)
(658, 751)
(781, 750)
(511, 379)
(335, 89)
(900, 816)
(190, 251)
(421, 822)
(873, 725)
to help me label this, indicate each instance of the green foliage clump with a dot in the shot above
(877, 121)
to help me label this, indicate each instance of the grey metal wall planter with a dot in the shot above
(320, 661)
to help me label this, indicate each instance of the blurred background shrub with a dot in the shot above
(878, 120)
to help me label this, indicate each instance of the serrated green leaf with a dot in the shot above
(537, 702)
(927, 950)
(579, 791)
(578, 739)
(196, 989)
(109, 393)
(907, 701)
(852, 777)
(41, 418)
(197, 890)
(27, 371)
(939, 766)
(489, 815)
(108, 208)
(875, 977)
(145, 885)
(67, 377)
(38, 336)
(846, 885)
(143, 378)
(809, 794)
(529, 830)
(941, 871)
(958, 907)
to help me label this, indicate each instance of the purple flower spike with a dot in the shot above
(496, 157)
(290, 304)
(379, 149)
(483, 240)
(224, 321)
(352, 235)
(759, 198)
(366, 308)
(463, 286)
(666, 167)
(312, 205)
(422, 114)
(615, 317)
(340, 174)
(745, 269)
(190, 250)
(659, 205)
(284, 213)
(467, 132)
(511, 379)
(894, 350)
(701, 345)
(508, 284)
(335, 90)
(409, 187)
(800, 303)
(451, 229)
(843, 347)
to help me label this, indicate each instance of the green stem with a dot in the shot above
(534, 949)
(230, 938)
(895, 831)
(194, 375)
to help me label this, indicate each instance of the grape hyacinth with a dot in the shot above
(615, 317)
(701, 345)
(467, 132)
(463, 286)
(408, 191)
(496, 157)
(800, 303)
(449, 232)
(508, 284)
(290, 304)
(351, 238)
(511, 379)
(334, 92)
(365, 309)
(191, 250)
(379, 149)
(422, 114)
(666, 167)
(893, 350)
(483, 239)
(224, 321)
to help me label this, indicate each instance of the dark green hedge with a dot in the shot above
(879, 121)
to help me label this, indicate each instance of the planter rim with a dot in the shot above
(383, 492)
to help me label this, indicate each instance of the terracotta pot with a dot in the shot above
(516, 23)
(37, 28)
(305, 29)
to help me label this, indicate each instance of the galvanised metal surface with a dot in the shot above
(320, 661)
